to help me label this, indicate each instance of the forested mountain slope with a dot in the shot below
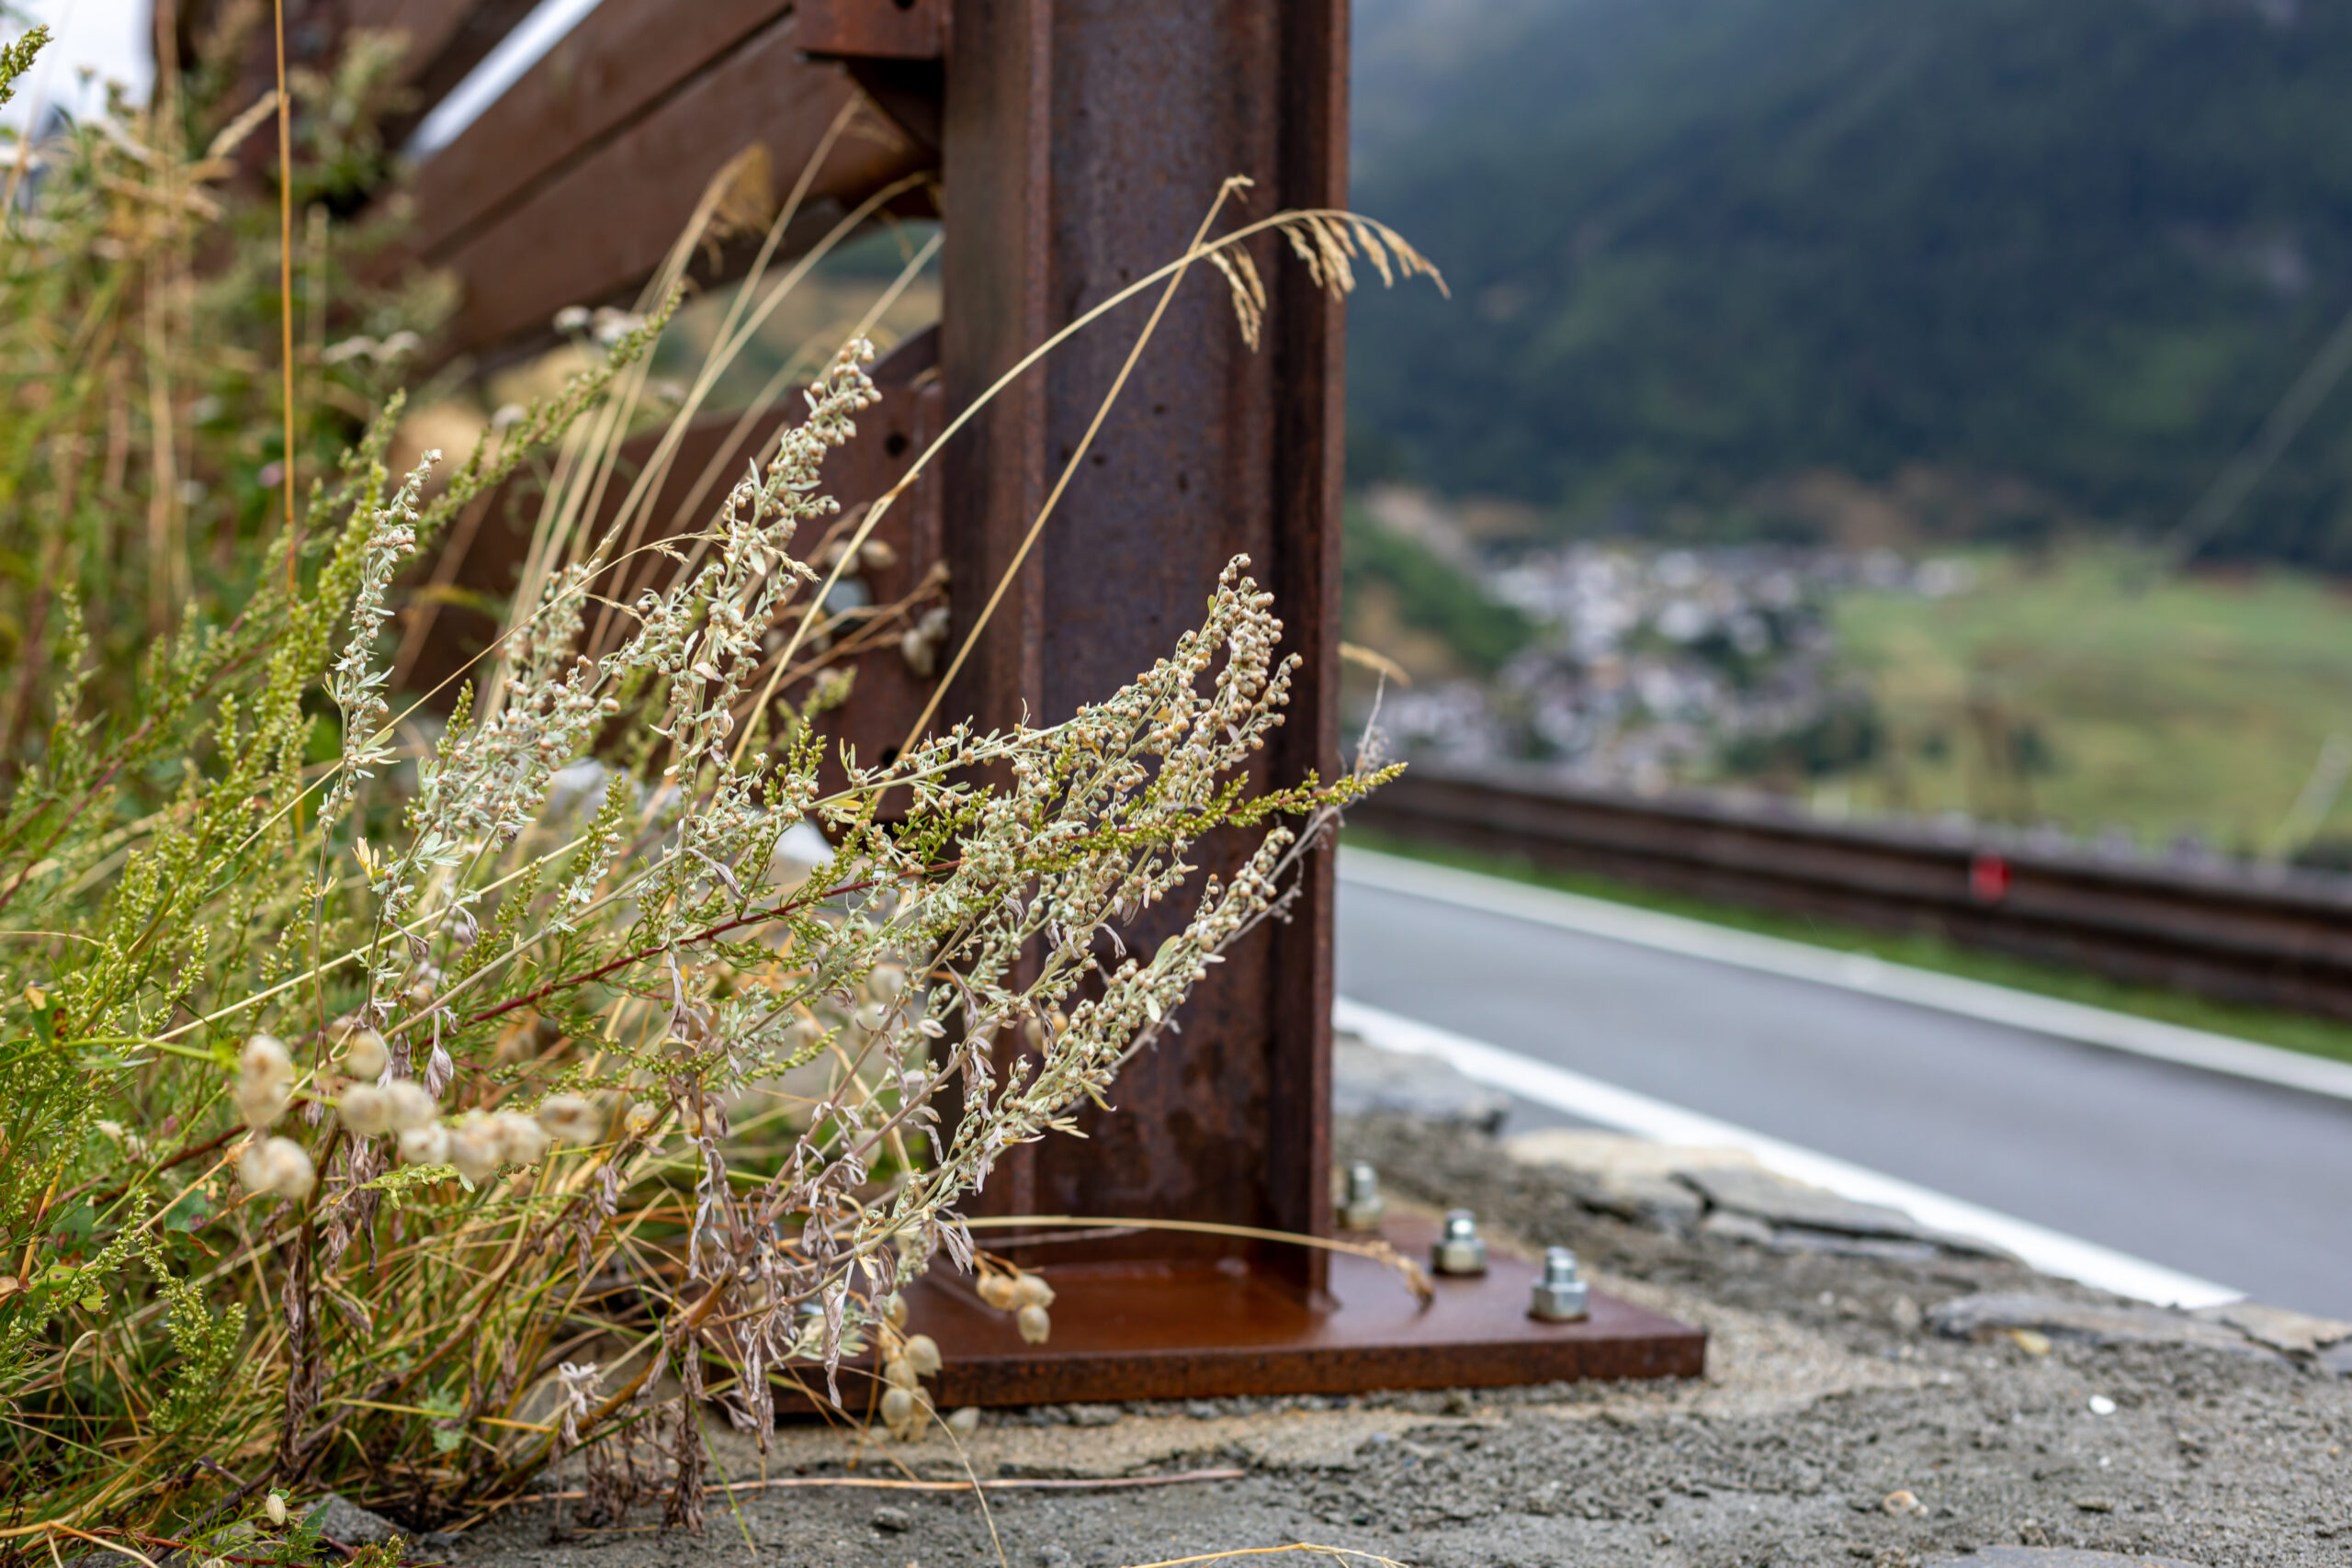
(2073, 252)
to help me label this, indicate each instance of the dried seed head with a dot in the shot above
(1034, 1325)
(964, 1422)
(571, 1118)
(265, 1058)
(997, 1290)
(898, 1374)
(261, 1102)
(428, 1145)
(264, 1082)
(1031, 1291)
(518, 1138)
(886, 982)
(277, 1164)
(898, 1409)
(894, 1310)
(922, 1354)
(364, 1054)
(409, 1106)
(474, 1149)
(921, 654)
(367, 1110)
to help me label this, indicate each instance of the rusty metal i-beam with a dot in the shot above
(1076, 145)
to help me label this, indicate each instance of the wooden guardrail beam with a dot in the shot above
(571, 189)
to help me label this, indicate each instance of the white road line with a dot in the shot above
(1852, 971)
(2053, 1252)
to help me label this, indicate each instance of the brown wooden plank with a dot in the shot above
(875, 29)
(624, 57)
(595, 230)
(888, 694)
(450, 40)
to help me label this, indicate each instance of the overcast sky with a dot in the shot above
(107, 37)
(111, 38)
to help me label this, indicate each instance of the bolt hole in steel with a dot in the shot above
(1460, 1248)
(1560, 1294)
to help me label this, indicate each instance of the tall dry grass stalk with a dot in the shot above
(401, 1109)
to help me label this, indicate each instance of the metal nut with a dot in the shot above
(1461, 1251)
(1363, 1206)
(1560, 1294)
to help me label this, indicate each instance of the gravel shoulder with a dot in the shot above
(1869, 1399)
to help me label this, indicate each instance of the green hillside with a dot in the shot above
(1700, 248)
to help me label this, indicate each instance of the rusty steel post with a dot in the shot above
(1084, 141)
(1078, 144)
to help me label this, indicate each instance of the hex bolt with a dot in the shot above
(1363, 1206)
(1461, 1251)
(1560, 1294)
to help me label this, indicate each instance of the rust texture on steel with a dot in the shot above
(875, 29)
(1084, 141)
(1193, 1329)
(2233, 933)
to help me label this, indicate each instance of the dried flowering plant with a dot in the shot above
(401, 1104)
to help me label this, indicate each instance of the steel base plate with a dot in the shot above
(1167, 1331)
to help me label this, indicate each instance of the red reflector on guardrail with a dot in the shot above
(1988, 879)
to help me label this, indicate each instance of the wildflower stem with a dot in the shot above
(286, 290)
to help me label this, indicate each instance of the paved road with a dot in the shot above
(2234, 1181)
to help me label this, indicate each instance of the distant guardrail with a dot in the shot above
(2230, 930)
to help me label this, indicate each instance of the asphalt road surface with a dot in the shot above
(2235, 1181)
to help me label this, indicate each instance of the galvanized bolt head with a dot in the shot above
(1560, 1294)
(1364, 1207)
(1461, 1251)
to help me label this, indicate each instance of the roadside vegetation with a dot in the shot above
(2084, 688)
(401, 1092)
